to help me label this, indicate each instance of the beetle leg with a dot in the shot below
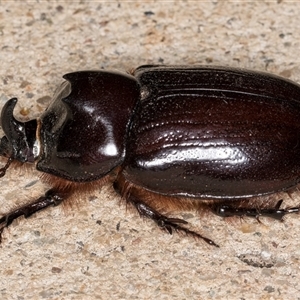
(225, 210)
(4, 169)
(51, 197)
(164, 222)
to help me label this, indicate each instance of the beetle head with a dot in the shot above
(18, 143)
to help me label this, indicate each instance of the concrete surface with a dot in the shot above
(97, 250)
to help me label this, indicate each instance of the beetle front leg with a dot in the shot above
(51, 197)
(166, 223)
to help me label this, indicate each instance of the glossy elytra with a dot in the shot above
(167, 138)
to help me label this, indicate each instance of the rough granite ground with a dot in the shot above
(98, 250)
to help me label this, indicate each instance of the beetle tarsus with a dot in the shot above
(166, 223)
(276, 212)
(51, 197)
(170, 224)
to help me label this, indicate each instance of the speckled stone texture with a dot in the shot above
(96, 249)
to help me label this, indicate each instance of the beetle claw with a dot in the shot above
(168, 228)
(168, 225)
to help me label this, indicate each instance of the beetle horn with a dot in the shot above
(17, 142)
(8, 122)
(10, 127)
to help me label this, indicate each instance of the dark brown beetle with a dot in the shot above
(169, 138)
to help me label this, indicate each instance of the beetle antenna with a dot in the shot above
(4, 169)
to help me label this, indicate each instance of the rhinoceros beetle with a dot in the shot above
(168, 138)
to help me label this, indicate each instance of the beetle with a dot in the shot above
(168, 138)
